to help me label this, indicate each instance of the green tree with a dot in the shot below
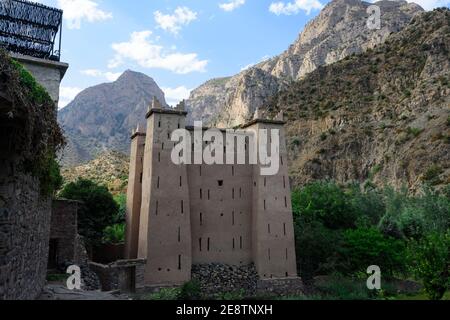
(326, 202)
(364, 247)
(98, 210)
(316, 246)
(429, 261)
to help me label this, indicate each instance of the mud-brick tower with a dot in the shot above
(272, 221)
(165, 230)
(134, 193)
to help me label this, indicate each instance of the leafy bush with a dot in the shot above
(325, 202)
(190, 290)
(430, 261)
(316, 246)
(121, 200)
(232, 295)
(98, 209)
(165, 294)
(431, 176)
(114, 234)
(365, 247)
(338, 287)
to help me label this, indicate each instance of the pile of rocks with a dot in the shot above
(217, 278)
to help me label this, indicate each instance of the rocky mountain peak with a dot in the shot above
(102, 117)
(338, 31)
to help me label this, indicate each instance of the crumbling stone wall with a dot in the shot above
(123, 275)
(24, 233)
(29, 138)
(64, 230)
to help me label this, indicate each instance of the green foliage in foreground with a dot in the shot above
(98, 209)
(346, 229)
(114, 234)
(430, 262)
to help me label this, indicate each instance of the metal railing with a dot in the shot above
(30, 29)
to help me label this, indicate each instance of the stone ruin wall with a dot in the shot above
(24, 233)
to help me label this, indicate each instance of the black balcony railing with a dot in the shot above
(30, 29)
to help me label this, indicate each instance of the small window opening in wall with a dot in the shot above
(268, 228)
(287, 256)
(159, 124)
(233, 222)
(232, 194)
(182, 206)
(181, 181)
(209, 194)
(168, 135)
(220, 183)
(157, 184)
(200, 170)
(285, 202)
(265, 205)
(162, 146)
(240, 192)
(287, 274)
(208, 245)
(284, 182)
(254, 183)
(179, 234)
(179, 262)
(201, 218)
(140, 179)
(281, 158)
(178, 125)
(284, 228)
(200, 244)
(201, 194)
(234, 244)
(159, 156)
(240, 242)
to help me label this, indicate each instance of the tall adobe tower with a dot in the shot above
(165, 230)
(231, 214)
(272, 221)
(134, 193)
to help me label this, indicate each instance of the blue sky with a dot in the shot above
(180, 44)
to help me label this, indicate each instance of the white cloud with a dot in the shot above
(175, 95)
(75, 11)
(110, 76)
(182, 16)
(143, 51)
(231, 5)
(291, 8)
(67, 94)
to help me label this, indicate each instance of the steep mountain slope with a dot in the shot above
(101, 117)
(109, 169)
(383, 115)
(338, 31)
